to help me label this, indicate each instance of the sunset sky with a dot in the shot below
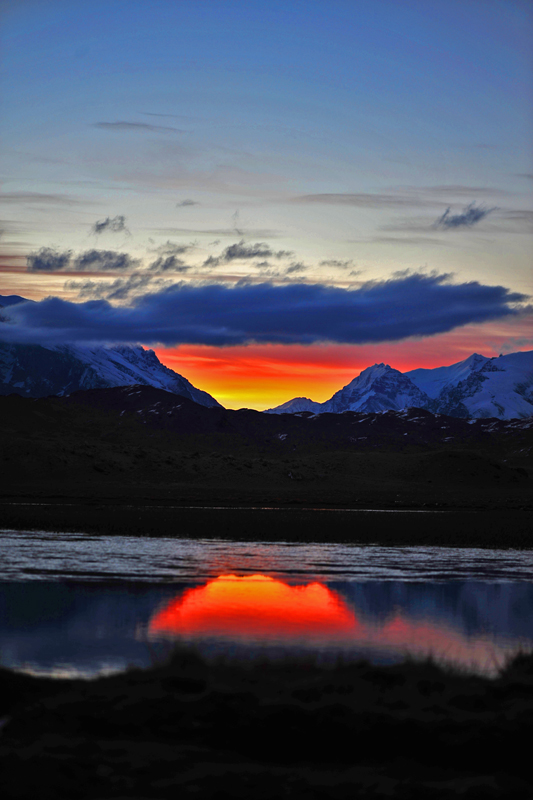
(272, 195)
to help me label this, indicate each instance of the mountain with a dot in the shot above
(41, 371)
(296, 406)
(37, 371)
(483, 387)
(434, 381)
(377, 388)
(478, 387)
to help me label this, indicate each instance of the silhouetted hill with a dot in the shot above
(137, 442)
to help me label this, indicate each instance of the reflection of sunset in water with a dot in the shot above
(257, 608)
(260, 609)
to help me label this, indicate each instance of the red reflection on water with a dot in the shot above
(257, 607)
(262, 609)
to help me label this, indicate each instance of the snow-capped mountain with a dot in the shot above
(433, 381)
(478, 387)
(296, 406)
(36, 371)
(377, 388)
(501, 387)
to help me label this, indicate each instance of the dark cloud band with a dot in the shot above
(412, 305)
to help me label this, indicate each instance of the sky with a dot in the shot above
(271, 195)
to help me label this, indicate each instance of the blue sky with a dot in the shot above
(336, 133)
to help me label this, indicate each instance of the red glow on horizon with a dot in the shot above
(263, 376)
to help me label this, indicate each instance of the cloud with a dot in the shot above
(121, 289)
(259, 232)
(172, 249)
(401, 197)
(333, 262)
(360, 200)
(471, 216)
(295, 267)
(294, 313)
(40, 198)
(110, 225)
(185, 203)
(48, 259)
(241, 252)
(168, 264)
(103, 261)
(122, 125)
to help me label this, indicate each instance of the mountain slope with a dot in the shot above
(377, 388)
(434, 381)
(296, 406)
(35, 371)
(478, 387)
(501, 387)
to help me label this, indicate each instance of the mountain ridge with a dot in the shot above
(478, 387)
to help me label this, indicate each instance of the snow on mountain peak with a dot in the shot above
(35, 371)
(476, 387)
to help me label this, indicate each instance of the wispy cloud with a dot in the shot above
(296, 267)
(402, 197)
(240, 251)
(336, 263)
(110, 225)
(142, 127)
(121, 289)
(470, 216)
(48, 259)
(407, 305)
(169, 248)
(169, 264)
(263, 233)
(360, 200)
(40, 198)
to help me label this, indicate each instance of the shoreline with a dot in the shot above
(445, 526)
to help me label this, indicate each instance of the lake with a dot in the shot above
(74, 604)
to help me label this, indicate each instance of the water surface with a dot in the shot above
(80, 604)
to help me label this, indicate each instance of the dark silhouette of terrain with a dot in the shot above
(142, 460)
(293, 729)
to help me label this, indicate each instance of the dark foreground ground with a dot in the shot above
(259, 730)
(137, 460)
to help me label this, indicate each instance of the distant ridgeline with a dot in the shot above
(478, 387)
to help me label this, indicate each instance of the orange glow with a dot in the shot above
(257, 608)
(263, 376)
(260, 609)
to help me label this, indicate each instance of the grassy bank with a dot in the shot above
(262, 730)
